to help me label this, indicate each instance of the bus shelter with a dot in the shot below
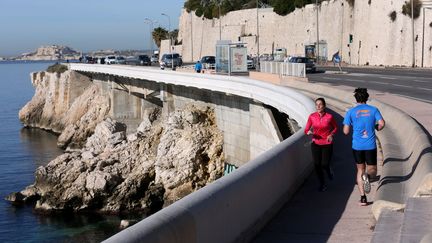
(231, 58)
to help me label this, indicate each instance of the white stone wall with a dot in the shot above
(383, 42)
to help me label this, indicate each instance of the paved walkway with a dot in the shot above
(334, 215)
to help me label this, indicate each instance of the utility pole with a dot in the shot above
(412, 27)
(151, 23)
(257, 36)
(170, 40)
(317, 30)
(220, 21)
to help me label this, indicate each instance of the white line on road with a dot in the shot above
(377, 82)
(383, 77)
(353, 80)
(424, 88)
(400, 85)
(420, 81)
(330, 78)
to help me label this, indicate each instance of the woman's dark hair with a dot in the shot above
(361, 95)
(322, 100)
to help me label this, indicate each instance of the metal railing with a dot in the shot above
(284, 69)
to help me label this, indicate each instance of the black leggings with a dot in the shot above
(322, 155)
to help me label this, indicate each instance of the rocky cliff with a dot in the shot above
(167, 158)
(66, 103)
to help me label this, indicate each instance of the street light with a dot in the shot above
(151, 23)
(169, 34)
(412, 27)
(317, 30)
(257, 36)
(422, 57)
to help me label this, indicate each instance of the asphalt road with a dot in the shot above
(407, 82)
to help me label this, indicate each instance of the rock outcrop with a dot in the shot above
(66, 103)
(53, 52)
(159, 164)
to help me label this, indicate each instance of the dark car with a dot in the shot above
(309, 62)
(144, 60)
(208, 62)
(169, 60)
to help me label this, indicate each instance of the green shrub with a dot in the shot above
(406, 8)
(392, 16)
(57, 68)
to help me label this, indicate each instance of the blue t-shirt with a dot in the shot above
(362, 119)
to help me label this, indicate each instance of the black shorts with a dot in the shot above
(365, 156)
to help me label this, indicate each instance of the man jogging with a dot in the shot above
(364, 119)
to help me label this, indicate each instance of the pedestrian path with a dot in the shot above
(330, 216)
(334, 215)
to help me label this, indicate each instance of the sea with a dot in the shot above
(22, 150)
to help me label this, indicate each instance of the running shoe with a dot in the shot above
(366, 183)
(363, 201)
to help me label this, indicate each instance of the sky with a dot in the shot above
(84, 25)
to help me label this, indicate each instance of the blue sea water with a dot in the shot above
(22, 150)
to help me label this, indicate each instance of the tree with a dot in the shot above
(159, 34)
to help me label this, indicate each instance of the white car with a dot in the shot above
(110, 60)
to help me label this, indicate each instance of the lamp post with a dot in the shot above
(424, 12)
(220, 21)
(412, 28)
(317, 30)
(151, 23)
(170, 39)
(257, 37)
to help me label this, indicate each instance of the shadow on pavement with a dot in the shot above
(310, 215)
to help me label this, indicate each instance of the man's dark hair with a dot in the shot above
(322, 100)
(361, 95)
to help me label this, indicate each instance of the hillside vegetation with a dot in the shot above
(210, 8)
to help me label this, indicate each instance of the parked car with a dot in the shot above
(154, 58)
(250, 62)
(111, 60)
(120, 60)
(208, 62)
(310, 64)
(144, 60)
(169, 60)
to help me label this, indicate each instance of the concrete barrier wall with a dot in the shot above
(233, 208)
(407, 150)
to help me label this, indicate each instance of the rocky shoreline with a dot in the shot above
(106, 170)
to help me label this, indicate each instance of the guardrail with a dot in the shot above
(286, 100)
(284, 68)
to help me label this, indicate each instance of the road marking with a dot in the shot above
(353, 80)
(400, 85)
(383, 77)
(330, 78)
(377, 82)
(420, 81)
(424, 88)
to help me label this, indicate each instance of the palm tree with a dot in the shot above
(159, 34)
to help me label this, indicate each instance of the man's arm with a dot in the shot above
(346, 129)
(380, 125)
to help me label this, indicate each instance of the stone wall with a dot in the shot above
(376, 39)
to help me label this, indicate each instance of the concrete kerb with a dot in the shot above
(415, 173)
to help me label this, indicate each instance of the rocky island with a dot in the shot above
(106, 170)
(50, 53)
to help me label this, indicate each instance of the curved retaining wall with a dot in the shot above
(407, 150)
(238, 205)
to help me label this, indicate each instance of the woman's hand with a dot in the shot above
(330, 138)
(309, 132)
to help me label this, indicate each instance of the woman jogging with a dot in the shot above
(322, 126)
